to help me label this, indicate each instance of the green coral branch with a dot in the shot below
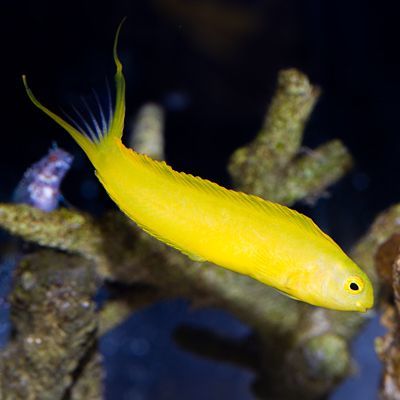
(147, 132)
(257, 168)
(308, 175)
(63, 229)
(270, 166)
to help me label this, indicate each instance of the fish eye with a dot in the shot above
(354, 284)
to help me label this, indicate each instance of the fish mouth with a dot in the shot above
(361, 308)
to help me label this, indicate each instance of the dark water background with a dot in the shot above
(213, 65)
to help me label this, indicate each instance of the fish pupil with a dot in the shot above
(354, 286)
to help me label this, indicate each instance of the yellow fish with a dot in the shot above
(244, 233)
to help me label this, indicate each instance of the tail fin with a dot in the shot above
(90, 143)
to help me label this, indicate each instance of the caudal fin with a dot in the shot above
(91, 142)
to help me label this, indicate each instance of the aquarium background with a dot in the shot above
(212, 65)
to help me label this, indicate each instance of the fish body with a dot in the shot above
(40, 185)
(244, 233)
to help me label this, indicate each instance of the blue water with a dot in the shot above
(143, 362)
(6, 268)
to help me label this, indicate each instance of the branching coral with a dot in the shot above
(303, 348)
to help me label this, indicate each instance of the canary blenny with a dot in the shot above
(244, 233)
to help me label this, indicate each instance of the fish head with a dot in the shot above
(350, 288)
(326, 277)
(340, 284)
